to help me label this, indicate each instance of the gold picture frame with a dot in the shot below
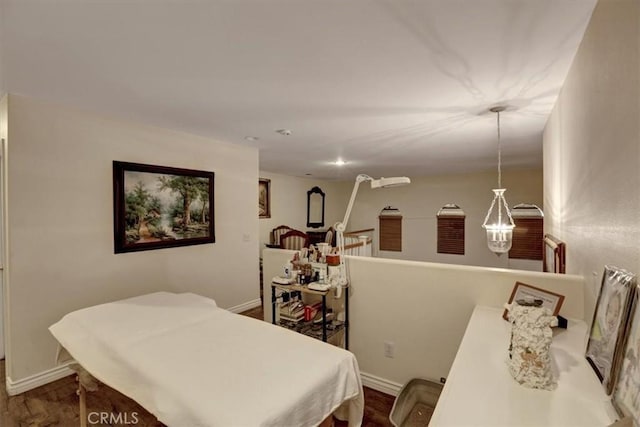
(264, 198)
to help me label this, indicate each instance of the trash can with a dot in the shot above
(415, 403)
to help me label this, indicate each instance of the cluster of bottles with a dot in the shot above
(305, 272)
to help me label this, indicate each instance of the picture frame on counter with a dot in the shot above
(626, 393)
(551, 300)
(609, 325)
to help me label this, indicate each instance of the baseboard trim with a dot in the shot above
(246, 306)
(54, 374)
(37, 380)
(380, 384)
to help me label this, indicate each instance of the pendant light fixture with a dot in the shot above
(498, 222)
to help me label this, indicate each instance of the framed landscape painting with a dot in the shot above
(158, 207)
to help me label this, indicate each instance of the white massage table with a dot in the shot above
(191, 363)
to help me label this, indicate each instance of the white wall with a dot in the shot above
(3, 38)
(3, 91)
(592, 149)
(423, 308)
(61, 222)
(420, 201)
(3, 252)
(289, 202)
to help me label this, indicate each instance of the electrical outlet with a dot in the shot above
(389, 349)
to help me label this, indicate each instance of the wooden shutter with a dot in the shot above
(527, 239)
(451, 234)
(390, 233)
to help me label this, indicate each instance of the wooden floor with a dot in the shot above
(56, 404)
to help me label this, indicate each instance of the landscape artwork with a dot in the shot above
(157, 207)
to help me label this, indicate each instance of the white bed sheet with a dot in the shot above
(193, 364)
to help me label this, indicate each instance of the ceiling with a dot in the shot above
(392, 87)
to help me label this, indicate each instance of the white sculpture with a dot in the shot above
(529, 352)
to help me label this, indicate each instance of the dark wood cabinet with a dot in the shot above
(316, 236)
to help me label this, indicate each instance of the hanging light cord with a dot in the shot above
(499, 154)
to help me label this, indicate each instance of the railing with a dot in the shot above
(358, 242)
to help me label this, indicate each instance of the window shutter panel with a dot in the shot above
(451, 235)
(390, 233)
(450, 238)
(527, 239)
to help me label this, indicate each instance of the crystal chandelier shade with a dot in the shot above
(498, 223)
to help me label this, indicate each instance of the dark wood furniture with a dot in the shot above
(294, 239)
(277, 232)
(316, 237)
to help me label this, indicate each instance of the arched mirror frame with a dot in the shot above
(315, 192)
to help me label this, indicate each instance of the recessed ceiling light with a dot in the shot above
(285, 132)
(251, 138)
(340, 162)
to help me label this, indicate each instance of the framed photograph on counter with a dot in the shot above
(550, 300)
(626, 394)
(606, 339)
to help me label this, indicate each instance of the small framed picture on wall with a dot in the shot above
(264, 198)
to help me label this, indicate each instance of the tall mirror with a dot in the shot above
(315, 208)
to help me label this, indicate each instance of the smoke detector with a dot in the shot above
(285, 132)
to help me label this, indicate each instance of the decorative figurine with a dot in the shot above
(529, 351)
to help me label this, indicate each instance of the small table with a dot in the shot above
(303, 289)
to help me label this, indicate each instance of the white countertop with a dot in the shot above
(481, 392)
